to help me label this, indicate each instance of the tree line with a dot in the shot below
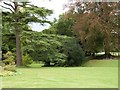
(85, 29)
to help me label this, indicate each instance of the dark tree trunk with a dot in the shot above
(47, 63)
(93, 54)
(107, 47)
(17, 33)
(107, 53)
(18, 49)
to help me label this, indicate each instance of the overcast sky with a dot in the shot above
(55, 5)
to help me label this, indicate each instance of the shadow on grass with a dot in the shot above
(32, 66)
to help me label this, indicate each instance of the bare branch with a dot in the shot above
(9, 5)
(7, 8)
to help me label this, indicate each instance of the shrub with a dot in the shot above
(2, 64)
(9, 58)
(10, 68)
(60, 59)
(26, 60)
(67, 53)
(60, 62)
(7, 73)
(73, 51)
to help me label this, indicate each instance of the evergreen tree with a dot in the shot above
(18, 15)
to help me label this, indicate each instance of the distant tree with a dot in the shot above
(64, 26)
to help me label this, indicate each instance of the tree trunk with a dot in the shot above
(17, 33)
(119, 36)
(93, 54)
(47, 63)
(107, 52)
(107, 46)
(18, 49)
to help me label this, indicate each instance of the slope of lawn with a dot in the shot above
(101, 63)
(64, 77)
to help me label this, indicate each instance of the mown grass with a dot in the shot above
(100, 63)
(64, 77)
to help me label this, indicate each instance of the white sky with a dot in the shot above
(55, 5)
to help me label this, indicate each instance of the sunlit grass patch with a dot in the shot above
(64, 77)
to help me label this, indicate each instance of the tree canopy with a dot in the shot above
(96, 24)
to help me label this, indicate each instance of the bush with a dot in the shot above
(9, 58)
(26, 60)
(10, 68)
(60, 62)
(60, 59)
(7, 73)
(2, 64)
(73, 51)
(67, 53)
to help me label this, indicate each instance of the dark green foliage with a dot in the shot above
(43, 47)
(73, 51)
(8, 42)
(64, 26)
(51, 30)
(52, 49)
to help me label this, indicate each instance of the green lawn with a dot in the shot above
(60, 77)
(101, 63)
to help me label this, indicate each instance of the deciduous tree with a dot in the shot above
(96, 24)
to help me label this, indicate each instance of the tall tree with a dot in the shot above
(19, 15)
